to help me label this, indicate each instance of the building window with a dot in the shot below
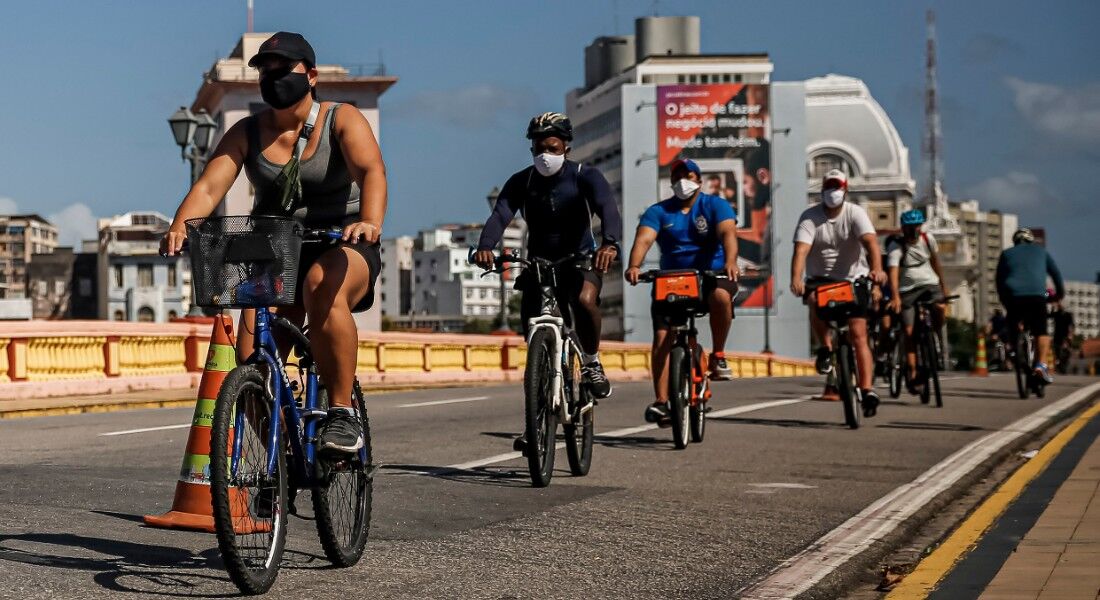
(145, 276)
(119, 316)
(172, 276)
(726, 78)
(146, 315)
(172, 315)
(118, 276)
(823, 163)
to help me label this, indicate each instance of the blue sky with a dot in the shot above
(90, 84)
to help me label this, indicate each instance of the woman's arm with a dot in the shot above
(364, 159)
(205, 194)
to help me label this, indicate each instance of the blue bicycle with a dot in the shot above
(263, 446)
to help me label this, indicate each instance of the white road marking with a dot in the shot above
(144, 429)
(805, 569)
(438, 402)
(784, 486)
(618, 433)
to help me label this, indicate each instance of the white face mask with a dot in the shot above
(684, 188)
(832, 198)
(547, 164)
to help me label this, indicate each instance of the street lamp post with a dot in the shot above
(194, 134)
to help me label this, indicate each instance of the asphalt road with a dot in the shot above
(649, 521)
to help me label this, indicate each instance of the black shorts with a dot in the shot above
(909, 299)
(312, 251)
(1029, 310)
(662, 315)
(570, 282)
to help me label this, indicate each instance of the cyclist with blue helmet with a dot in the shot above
(916, 275)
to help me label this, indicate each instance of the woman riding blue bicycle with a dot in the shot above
(320, 163)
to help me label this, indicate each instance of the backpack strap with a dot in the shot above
(307, 130)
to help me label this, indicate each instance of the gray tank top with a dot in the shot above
(329, 195)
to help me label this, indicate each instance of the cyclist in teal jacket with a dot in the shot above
(1022, 286)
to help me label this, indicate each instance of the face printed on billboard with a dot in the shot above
(725, 129)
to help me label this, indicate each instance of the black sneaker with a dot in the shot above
(341, 433)
(870, 403)
(520, 445)
(824, 361)
(656, 412)
(596, 379)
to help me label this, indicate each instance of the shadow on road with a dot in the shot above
(636, 442)
(494, 476)
(930, 426)
(123, 566)
(799, 423)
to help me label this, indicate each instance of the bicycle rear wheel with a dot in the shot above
(894, 375)
(848, 386)
(540, 420)
(1022, 364)
(342, 495)
(697, 411)
(679, 390)
(249, 505)
(579, 434)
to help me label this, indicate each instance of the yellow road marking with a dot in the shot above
(936, 566)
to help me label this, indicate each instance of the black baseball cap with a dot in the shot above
(287, 45)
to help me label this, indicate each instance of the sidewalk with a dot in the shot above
(1036, 537)
(1060, 556)
(69, 405)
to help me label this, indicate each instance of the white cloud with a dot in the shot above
(1067, 113)
(1015, 191)
(471, 107)
(75, 223)
(8, 206)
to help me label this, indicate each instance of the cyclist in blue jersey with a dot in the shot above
(694, 231)
(558, 198)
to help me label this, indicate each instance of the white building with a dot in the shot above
(444, 281)
(394, 287)
(134, 281)
(664, 50)
(230, 92)
(1083, 301)
(848, 130)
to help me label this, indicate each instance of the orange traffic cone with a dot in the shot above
(191, 507)
(981, 367)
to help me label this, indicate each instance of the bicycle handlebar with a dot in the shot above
(651, 275)
(500, 262)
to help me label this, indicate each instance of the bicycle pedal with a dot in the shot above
(665, 423)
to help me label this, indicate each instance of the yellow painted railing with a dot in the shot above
(58, 353)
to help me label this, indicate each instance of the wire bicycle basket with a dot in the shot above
(244, 261)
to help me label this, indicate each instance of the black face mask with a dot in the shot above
(281, 89)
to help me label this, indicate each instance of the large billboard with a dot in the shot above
(725, 128)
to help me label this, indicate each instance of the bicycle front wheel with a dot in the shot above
(342, 495)
(679, 391)
(541, 421)
(848, 386)
(932, 363)
(249, 503)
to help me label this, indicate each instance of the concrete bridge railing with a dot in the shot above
(68, 358)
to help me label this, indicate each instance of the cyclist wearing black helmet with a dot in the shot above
(1022, 273)
(558, 198)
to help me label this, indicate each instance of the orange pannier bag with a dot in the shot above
(835, 293)
(676, 287)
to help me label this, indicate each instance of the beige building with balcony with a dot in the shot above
(22, 236)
